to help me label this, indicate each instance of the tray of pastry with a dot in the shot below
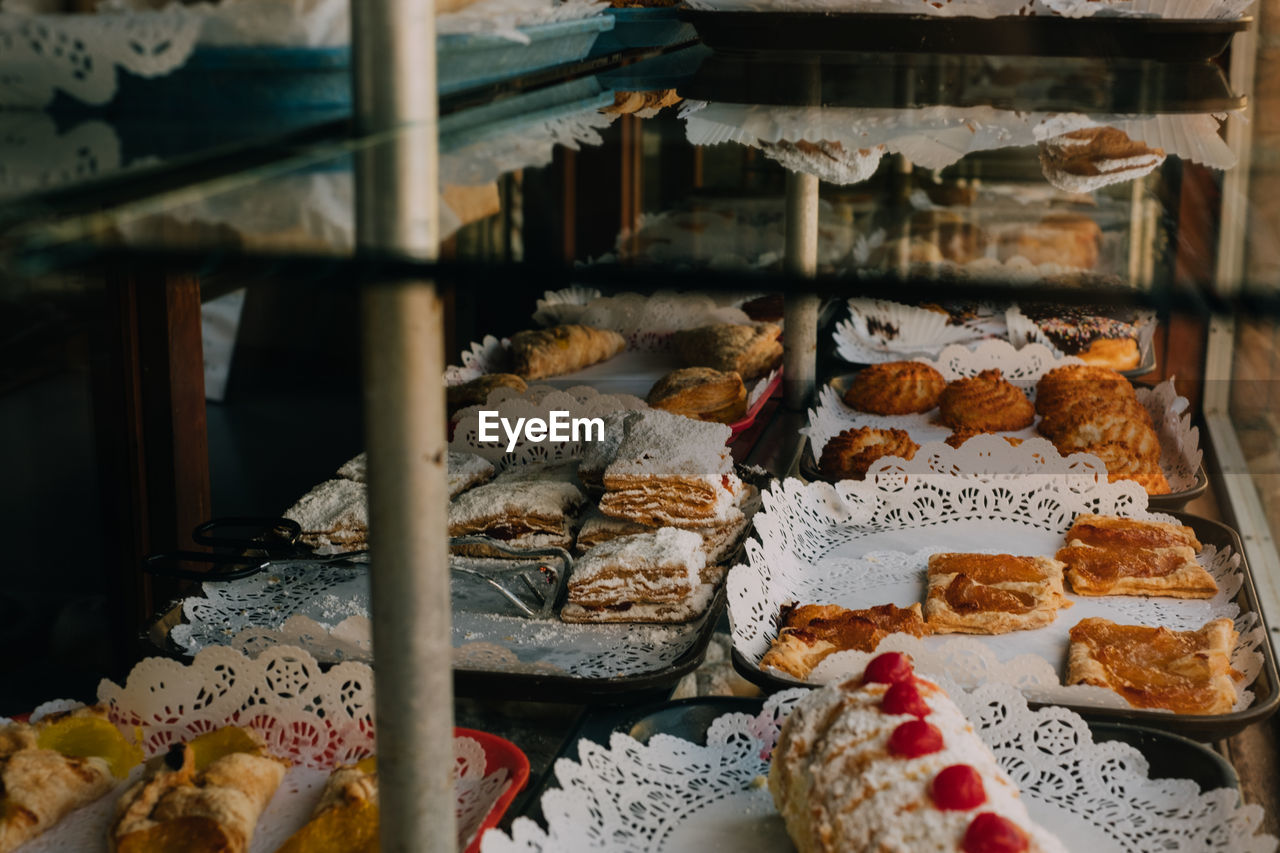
(1037, 580)
(738, 774)
(1164, 40)
(1143, 434)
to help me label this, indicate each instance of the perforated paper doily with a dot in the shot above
(809, 552)
(673, 795)
(940, 136)
(313, 719)
(1180, 454)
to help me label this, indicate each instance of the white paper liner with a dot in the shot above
(672, 795)
(1179, 441)
(313, 719)
(559, 307)
(810, 553)
(856, 345)
(939, 136)
(898, 328)
(505, 17)
(1193, 9)
(1022, 330)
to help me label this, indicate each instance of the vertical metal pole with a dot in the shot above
(397, 211)
(800, 358)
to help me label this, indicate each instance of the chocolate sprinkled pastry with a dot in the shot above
(1074, 328)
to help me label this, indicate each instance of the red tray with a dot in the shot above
(499, 753)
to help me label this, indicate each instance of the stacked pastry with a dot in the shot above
(642, 577)
(1094, 410)
(889, 763)
(1089, 159)
(525, 508)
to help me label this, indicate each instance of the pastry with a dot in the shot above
(1106, 531)
(524, 509)
(628, 103)
(1125, 463)
(992, 593)
(702, 393)
(1065, 239)
(956, 239)
(895, 388)
(467, 470)
(888, 763)
(540, 353)
(959, 437)
(596, 455)
(807, 634)
(847, 456)
(625, 578)
(334, 516)
(1089, 159)
(717, 542)
(345, 820)
(987, 402)
(1187, 672)
(672, 471)
(750, 350)
(1074, 380)
(1171, 572)
(767, 309)
(200, 797)
(1099, 336)
(476, 392)
(53, 767)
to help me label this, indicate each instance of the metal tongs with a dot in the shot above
(243, 546)
(546, 583)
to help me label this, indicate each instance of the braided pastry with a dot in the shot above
(895, 388)
(987, 403)
(848, 455)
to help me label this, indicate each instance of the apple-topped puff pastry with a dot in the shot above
(1187, 672)
(992, 593)
(809, 633)
(1107, 555)
(53, 767)
(204, 796)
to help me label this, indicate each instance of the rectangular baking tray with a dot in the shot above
(1166, 40)
(1170, 756)
(1199, 727)
(641, 27)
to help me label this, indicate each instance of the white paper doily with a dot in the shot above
(313, 719)
(673, 795)
(810, 553)
(1179, 441)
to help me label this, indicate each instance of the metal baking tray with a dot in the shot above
(1166, 40)
(913, 81)
(1170, 756)
(1199, 727)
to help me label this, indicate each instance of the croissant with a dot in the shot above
(540, 353)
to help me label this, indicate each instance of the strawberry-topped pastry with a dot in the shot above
(888, 763)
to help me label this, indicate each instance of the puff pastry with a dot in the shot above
(518, 508)
(334, 516)
(702, 393)
(750, 350)
(809, 633)
(183, 807)
(465, 470)
(992, 593)
(895, 388)
(1070, 240)
(476, 392)
(987, 402)
(1108, 531)
(596, 455)
(46, 773)
(1171, 572)
(540, 353)
(672, 471)
(863, 765)
(847, 456)
(1187, 672)
(658, 568)
(345, 820)
(717, 542)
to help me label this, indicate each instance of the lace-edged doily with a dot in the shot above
(670, 794)
(1180, 455)
(810, 551)
(311, 718)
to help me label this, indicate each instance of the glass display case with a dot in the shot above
(203, 336)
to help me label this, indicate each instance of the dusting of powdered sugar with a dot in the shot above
(662, 444)
(333, 505)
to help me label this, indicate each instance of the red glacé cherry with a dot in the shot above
(990, 833)
(904, 697)
(958, 788)
(914, 738)
(888, 668)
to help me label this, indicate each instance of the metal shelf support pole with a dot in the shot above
(403, 325)
(800, 356)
